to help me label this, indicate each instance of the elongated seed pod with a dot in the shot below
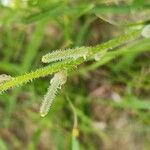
(66, 54)
(56, 82)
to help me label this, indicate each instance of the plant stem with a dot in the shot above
(67, 64)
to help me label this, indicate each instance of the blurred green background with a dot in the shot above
(109, 103)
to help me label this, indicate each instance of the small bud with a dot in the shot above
(4, 77)
(146, 31)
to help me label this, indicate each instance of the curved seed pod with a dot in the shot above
(66, 54)
(146, 31)
(56, 82)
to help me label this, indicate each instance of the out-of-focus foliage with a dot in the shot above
(107, 101)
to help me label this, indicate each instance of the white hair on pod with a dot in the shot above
(56, 82)
(66, 54)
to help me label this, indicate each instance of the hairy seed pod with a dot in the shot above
(56, 82)
(66, 54)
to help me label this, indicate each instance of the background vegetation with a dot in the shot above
(107, 101)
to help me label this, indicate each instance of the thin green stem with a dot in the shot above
(50, 69)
